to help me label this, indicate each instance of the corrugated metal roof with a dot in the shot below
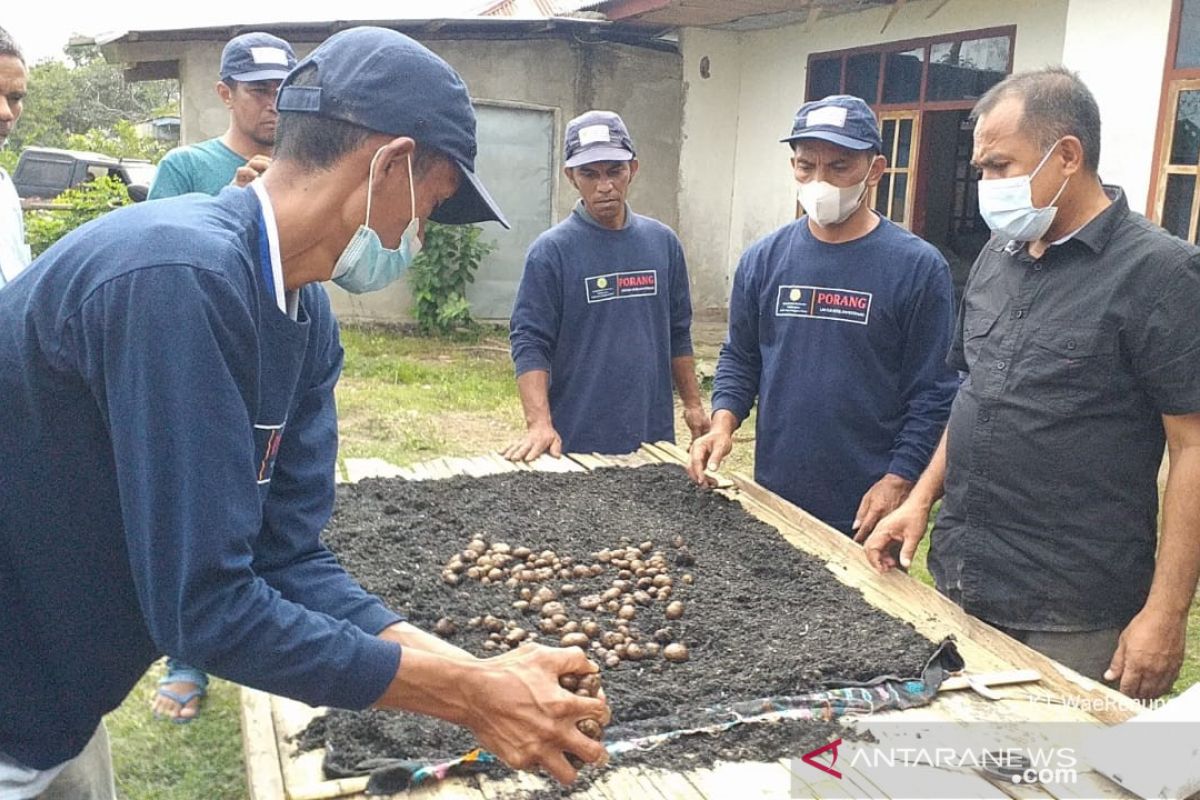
(729, 14)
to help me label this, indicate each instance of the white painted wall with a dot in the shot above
(1120, 54)
(707, 158)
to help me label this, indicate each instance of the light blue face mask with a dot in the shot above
(365, 265)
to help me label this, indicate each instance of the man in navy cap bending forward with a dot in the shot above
(168, 437)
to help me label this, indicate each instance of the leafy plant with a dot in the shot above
(74, 207)
(8, 160)
(439, 276)
(120, 141)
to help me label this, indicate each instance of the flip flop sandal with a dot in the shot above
(183, 700)
(183, 675)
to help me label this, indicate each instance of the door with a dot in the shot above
(893, 197)
(516, 164)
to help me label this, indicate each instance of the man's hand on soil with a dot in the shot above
(520, 713)
(1149, 654)
(542, 438)
(880, 500)
(697, 421)
(894, 540)
(708, 452)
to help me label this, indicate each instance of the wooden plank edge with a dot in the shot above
(264, 773)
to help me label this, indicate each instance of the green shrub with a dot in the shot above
(439, 276)
(81, 204)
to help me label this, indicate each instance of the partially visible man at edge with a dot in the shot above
(14, 79)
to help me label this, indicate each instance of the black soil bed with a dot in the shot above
(759, 617)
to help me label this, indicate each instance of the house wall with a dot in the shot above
(568, 77)
(1120, 54)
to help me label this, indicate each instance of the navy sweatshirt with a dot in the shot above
(604, 312)
(168, 440)
(844, 347)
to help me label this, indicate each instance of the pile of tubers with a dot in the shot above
(546, 589)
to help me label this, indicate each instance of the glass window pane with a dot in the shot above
(899, 195)
(887, 131)
(883, 192)
(824, 77)
(862, 76)
(902, 76)
(1177, 204)
(965, 70)
(1185, 144)
(1187, 54)
(904, 144)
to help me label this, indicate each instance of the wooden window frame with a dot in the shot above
(1174, 80)
(924, 43)
(914, 149)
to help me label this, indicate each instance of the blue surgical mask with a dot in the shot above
(365, 265)
(1006, 205)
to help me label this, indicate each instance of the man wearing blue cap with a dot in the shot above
(602, 322)
(169, 436)
(252, 67)
(839, 325)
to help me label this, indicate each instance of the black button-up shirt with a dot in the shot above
(1056, 435)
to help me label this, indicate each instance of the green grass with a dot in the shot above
(403, 398)
(155, 759)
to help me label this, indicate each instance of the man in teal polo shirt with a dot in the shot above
(252, 67)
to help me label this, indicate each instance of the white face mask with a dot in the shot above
(1006, 205)
(826, 204)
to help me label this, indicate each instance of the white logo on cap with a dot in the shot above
(593, 134)
(829, 115)
(269, 55)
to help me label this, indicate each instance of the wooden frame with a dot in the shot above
(274, 772)
(909, 171)
(1174, 81)
(1164, 168)
(905, 45)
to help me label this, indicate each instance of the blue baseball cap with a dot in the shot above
(384, 81)
(597, 136)
(843, 119)
(257, 57)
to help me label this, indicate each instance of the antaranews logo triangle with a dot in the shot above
(811, 758)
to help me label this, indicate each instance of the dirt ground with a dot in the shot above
(759, 618)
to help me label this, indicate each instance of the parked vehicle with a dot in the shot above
(46, 172)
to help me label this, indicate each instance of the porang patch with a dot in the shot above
(819, 302)
(621, 285)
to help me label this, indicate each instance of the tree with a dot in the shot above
(89, 97)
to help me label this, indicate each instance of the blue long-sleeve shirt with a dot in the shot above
(844, 346)
(604, 312)
(168, 437)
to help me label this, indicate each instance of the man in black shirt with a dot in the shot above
(1080, 345)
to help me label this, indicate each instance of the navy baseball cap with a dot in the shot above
(382, 80)
(843, 119)
(597, 136)
(257, 57)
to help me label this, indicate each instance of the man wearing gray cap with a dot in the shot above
(252, 67)
(839, 325)
(602, 321)
(169, 437)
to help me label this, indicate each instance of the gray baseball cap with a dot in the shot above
(597, 136)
